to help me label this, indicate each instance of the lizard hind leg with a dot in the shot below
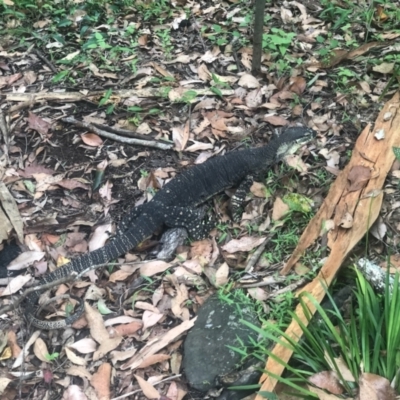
(191, 219)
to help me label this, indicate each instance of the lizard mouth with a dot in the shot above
(294, 140)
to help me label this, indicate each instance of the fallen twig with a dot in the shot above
(113, 136)
(46, 61)
(123, 94)
(3, 128)
(45, 286)
(120, 131)
(256, 255)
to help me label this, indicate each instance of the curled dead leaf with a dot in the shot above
(91, 139)
(327, 380)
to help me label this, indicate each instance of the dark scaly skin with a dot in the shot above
(174, 206)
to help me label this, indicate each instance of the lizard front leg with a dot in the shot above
(239, 197)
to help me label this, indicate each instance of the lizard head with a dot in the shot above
(292, 139)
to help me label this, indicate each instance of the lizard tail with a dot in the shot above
(144, 226)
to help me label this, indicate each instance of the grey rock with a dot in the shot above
(206, 351)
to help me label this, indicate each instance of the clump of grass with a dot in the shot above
(368, 341)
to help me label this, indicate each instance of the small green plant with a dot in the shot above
(144, 173)
(165, 41)
(278, 40)
(219, 36)
(97, 41)
(52, 356)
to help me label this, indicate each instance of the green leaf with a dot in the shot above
(104, 100)
(135, 109)
(30, 186)
(52, 356)
(298, 202)
(60, 76)
(216, 91)
(396, 151)
(101, 306)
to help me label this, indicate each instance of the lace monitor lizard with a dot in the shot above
(175, 206)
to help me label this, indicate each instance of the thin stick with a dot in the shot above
(45, 286)
(3, 128)
(124, 132)
(112, 136)
(46, 61)
(256, 255)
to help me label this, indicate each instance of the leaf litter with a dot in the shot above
(49, 165)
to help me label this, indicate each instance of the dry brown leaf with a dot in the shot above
(73, 184)
(142, 40)
(15, 284)
(99, 333)
(175, 392)
(374, 387)
(148, 389)
(119, 275)
(142, 305)
(180, 136)
(154, 359)
(4, 383)
(74, 358)
(296, 162)
(91, 139)
(248, 81)
(221, 275)
(297, 84)
(245, 243)
(203, 72)
(322, 395)
(254, 98)
(180, 298)
(100, 236)
(150, 319)
(101, 381)
(258, 294)
(73, 392)
(207, 104)
(279, 209)
(12, 343)
(201, 248)
(38, 124)
(358, 177)
(122, 355)
(153, 267)
(84, 346)
(363, 49)
(82, 372)
(327, 380)
(22, 354)
(9, 79)
(341, 366)
(26, 259)
(161, 70)
(40, 350)
(384, 68)
(128, 329)
(276, 120)
(259, 190)
(153, 347)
